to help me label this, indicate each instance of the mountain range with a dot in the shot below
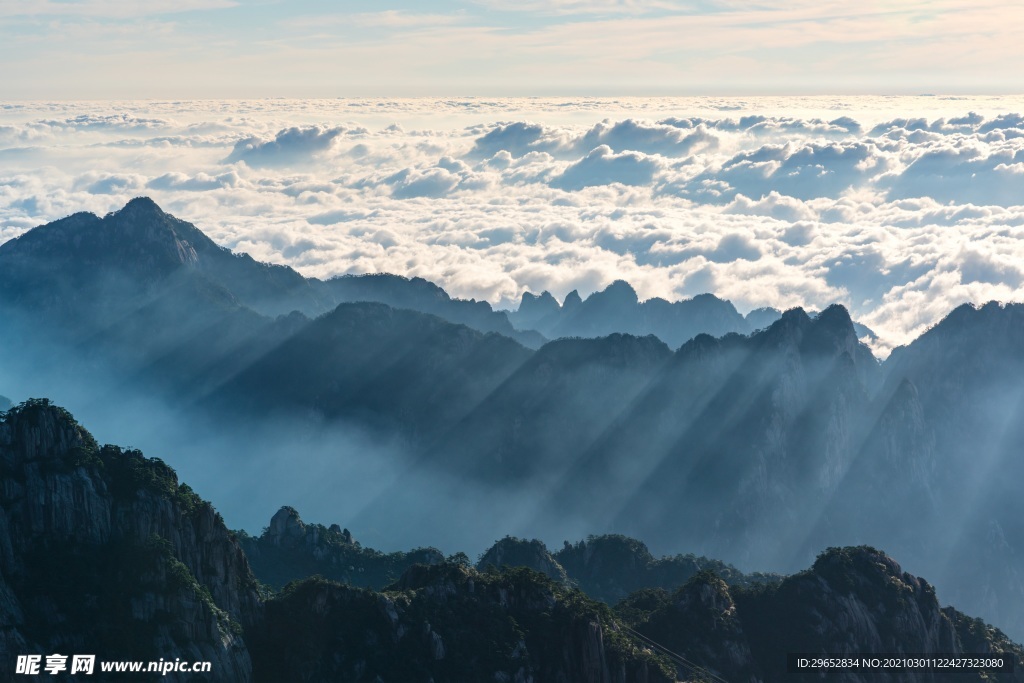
(103, 550)
(759, 440)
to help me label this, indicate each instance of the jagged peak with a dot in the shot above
(544, 296)
(611, 545)
(286, 523)
(572, 299)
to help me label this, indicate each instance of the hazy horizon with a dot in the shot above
(311, 48)
(900, 208)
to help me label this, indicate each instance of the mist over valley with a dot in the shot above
(415, 419)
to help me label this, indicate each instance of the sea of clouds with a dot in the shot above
(899, 208)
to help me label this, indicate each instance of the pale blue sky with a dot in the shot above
(258, 48)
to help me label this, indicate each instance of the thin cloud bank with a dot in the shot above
(899, 209)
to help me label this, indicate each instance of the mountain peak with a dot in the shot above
(835, 316)
(39, 429)
(534, 308)
(572, 300)
(286, 526)
(142, 205)
(621, 291)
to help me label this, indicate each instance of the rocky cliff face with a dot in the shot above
(102, 551)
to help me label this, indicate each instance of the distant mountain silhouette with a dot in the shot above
(90, 272)
(393, 369)
(759, 448)
(552, 407)
(963, 434)
(617, 309)
(417, 294)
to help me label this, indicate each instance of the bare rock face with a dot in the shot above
(285, 527)
(101, 551)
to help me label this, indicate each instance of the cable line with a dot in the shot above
(691, 667)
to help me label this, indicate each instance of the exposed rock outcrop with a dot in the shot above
(291, 549)
(102, 551)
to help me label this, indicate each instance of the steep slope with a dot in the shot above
(137, 297)
(103, 551)
(757, 449)
(396, 370)
(557, 402)
(90, 261)
(967, 373)
(89, 272)
(734, 444)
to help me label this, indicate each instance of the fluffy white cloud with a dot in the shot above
(290, 146)
(602, 166)
(765, 202)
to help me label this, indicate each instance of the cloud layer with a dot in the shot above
(899, 208)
